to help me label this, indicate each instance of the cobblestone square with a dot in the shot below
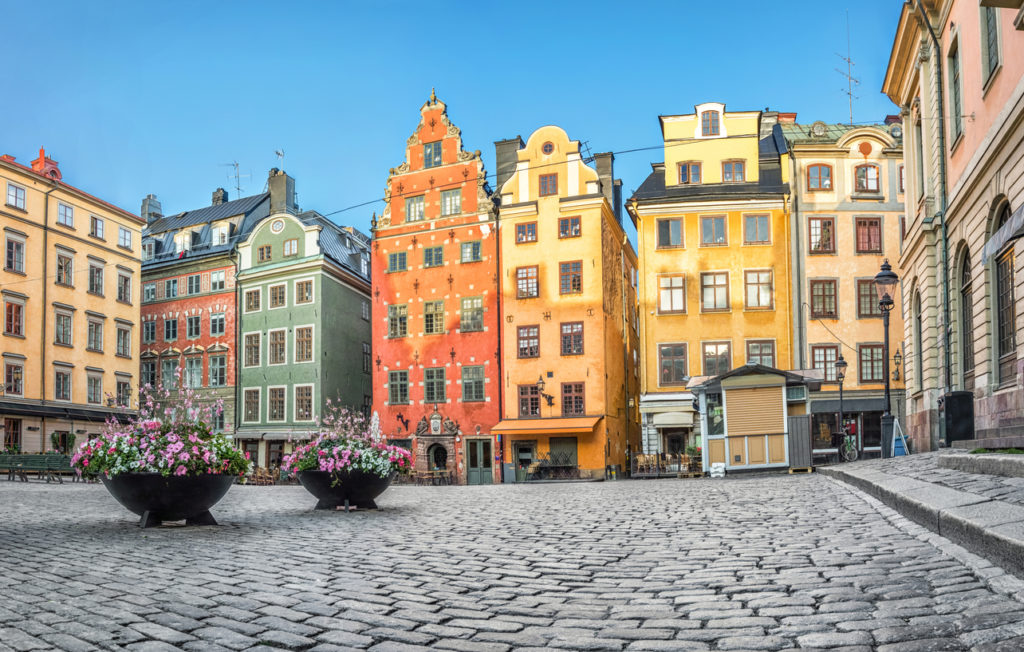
(758, 563)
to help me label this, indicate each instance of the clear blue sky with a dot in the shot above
(155, 97)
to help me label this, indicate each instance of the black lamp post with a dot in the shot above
(885, 284)
(540, 390)
(841, 366)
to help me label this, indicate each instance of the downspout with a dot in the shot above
(238, 352)
(800, 343)
(46, 286)
(495, 211)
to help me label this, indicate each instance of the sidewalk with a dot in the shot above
(983, 513)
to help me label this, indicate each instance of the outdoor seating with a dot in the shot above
(47, 466)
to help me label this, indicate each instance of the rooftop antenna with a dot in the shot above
(851, 81)
(238, 178)
(588, 157)
(279, 153)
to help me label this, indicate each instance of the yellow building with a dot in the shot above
(569, 327)
(70, 292)
(715, 272)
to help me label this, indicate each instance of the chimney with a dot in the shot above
(769, 119)
(220, 196)
(505, 153)
(893, 120)
(611, 188)
(46, 166)
(151, 210)
(282, 192)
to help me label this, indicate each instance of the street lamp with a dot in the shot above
(540, 389)
(841, 366)
(885, 284)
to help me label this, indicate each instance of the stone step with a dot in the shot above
(997, 440)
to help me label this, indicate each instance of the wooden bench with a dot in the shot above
(47, 466)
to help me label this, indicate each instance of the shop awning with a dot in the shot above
(849, 405)
(673, 419)
(1013, 229)
(546, 426)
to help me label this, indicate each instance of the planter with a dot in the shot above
(344, 488)
(157, 498)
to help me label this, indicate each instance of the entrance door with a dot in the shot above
(480, 462)
(524, 458)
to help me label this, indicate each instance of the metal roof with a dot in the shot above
(206, 215)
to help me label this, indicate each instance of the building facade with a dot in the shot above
(70, 291)
(957, 72)
(848, 186)
(303, 292)
(569, 333)
(715, 242)
(437, 369)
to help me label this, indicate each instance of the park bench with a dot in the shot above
(48, 466)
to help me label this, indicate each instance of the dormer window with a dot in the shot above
(220, 234)
(689, 172)
(148, 249)
(195, 238)
(709, 123)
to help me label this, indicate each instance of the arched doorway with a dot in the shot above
(437, 457)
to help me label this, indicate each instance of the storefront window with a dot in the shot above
(716, 415)
(871, 429)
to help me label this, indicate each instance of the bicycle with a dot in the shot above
(848, 447)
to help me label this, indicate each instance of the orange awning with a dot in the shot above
(546, 426)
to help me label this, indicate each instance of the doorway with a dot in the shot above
(480, 462)
(523, 453)
(437, 458)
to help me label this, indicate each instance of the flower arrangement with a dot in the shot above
(172, 435)
(343, 440)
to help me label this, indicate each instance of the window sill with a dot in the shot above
(97, 237)
(757, 244)
(121, 355)
(17, 208)
(68, 346)
(669, 313)
(871, 195)
(824, 316)
(713, 244)
(467, 262)
(20, 337)
(821, 253)
(991, 79)
(868, 253)
(64, 285)
(91, 350)
(14, 271)
(712, 311)
(959, 138)
(95, 294)
(69, 227)
(123, 302)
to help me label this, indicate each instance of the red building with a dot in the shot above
(436, 375)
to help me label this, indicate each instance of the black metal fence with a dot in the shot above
(554, 466)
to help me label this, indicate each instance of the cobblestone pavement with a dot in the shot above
(759, 563)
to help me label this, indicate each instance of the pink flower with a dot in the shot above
(181, 470)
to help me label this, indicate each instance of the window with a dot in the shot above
(866, 178)
(277, 296)
(365, 309)
(471, 252)
(569, 227)
(263, 253)
(124, 342)
(276, 347)
(124, 238)
(471, 317)
(14, 318)
(62, 385)
(529, 401)
(124, 288)
(433, 385)
(149, 332)
(303, 343)
(526, 282)
(761, 352)
(170, 329)
(192, 284)
(570, 277)
(714, 291)
(94, 389)
(823, 299)
(62, 325)
(433, 256)
(96, 278)
(169, 373)
(758, 286)
(12, 434)
(149, 292)
(252, 350)
(717, 358)
(689, 172)
(529, 341)
(902, 174)
(526, 232)
(732, 171)
(193, 372)
(303, 291)
(990, 41)
(15, 260)
(819, 177)
(822, 231)
(398, 387)
(672, 363)
(220, 234)
(14, 379)
(275, 399)
(65, 215)
(572, 338)
(398, 321)
(956, 109)
(216, 324)
(870, 366)
(64, 270)
(148, 372)
(94, 335)
(217, 281)
(867, 299)
(396, 262)
(712, 231)
(366, 357)
(431, 154)
(1005, 301)
(756, 229)
(252, 300)
(548, 185)
(670, 233)
(823, 358)
(218, 371)
(148, 250)
(414, 208)
(709, 123)
(124, 393)
(433, 317)
(966, 318)
(869, 235)
(304, 403)
(15, 196)
(192, 326)
(291, 247)
(252, 405)
(671, 294)
(171, 289)
(572, 399)
(473, 383)
(451, 202)
(96, 227)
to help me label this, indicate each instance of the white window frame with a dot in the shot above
(90, 323)
(148, 292)
(285, 418)
(60, 369)
(218, 281)
(19, 240)
(60, 312)
(224, 323)
(97, 221)
(148, 250)
(128, 277)
(14, 363)
(209, 370)
(295, 403)
(186, 375)
(672, 290)
(65, 214)
(124, 235)
(17, 204)
(89, 378)
(450, 206)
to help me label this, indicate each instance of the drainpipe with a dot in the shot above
(238, 353)
(500, 440)
(797, 282)
(46, 287)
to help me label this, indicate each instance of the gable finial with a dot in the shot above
(433, 96)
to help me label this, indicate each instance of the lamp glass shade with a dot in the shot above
(841, 366)
(885, 281)
(540, 383)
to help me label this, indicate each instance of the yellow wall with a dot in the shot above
(739, 143)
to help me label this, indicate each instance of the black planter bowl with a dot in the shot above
(344, 488)
(157, 498)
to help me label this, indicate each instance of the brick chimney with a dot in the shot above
(220, 196)
(151, 210)
(282, 192)
(46, 166)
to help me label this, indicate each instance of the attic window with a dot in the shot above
(709, 123)
(195, 238)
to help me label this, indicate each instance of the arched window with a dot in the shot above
(819, 177)
(918, 342)
(437, 457)
(1006, 329)
(709, 123)
(866, 178)
(966, 320)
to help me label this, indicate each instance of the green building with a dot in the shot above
(303, 324)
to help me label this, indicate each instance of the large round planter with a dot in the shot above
(344, 488)
(157, 498)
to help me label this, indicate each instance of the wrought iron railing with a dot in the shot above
(554, 466)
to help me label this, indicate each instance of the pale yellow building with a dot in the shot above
(70, 293)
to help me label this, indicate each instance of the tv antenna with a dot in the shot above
(279, 153)
(851, 81)
(238, 177)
